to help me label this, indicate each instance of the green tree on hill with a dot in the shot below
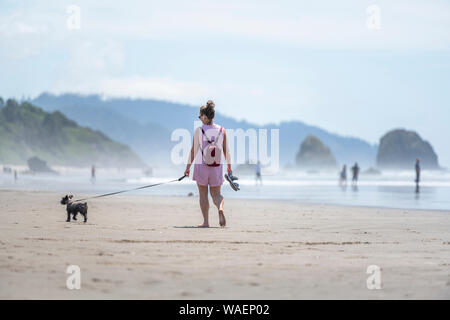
(27, 131)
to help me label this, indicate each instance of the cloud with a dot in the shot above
(161, 88)
(326, 25)
(138, 87)
(99, 67)
(28, 27)
(21, 38)
(17, 25)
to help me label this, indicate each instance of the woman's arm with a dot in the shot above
(226, 151)
(194, 148)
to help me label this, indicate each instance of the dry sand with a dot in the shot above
(143, 247)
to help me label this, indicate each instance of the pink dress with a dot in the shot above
(204, 174)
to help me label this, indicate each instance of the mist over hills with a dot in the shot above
(146, 125)
(27, 131)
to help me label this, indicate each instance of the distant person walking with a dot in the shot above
(210, 140)
(93, 172)
(417, 174)
(355, 173)
(258, 173)
(343, 176)
(15, 175)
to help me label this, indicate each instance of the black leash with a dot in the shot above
(143, 187)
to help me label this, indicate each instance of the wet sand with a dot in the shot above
(146, 247)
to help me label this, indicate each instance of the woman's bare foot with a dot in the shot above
(204, 225)
(222, 220)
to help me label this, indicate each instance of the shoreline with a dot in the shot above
(291, 200)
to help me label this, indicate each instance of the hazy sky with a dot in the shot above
(263, 61)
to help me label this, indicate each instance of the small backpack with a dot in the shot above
(213, 155)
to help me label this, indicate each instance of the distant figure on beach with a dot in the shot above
(6, 169)
(258, 173)
(417, 174)
(210, 140)
(15, 175)
(148, 172)
(93, 170)
(355, 173)
(343, 176)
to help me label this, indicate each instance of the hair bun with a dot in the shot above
(208, 110)
(210, 104)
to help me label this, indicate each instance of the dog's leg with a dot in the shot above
(68, 216)
(74, 217)
(84, 211)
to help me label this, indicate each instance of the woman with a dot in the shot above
(210, 140)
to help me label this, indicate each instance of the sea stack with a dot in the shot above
(313, 154)
(400, 148)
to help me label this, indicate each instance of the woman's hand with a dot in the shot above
(229, 168)
(187, 171)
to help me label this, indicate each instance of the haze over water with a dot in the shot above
(395, 190)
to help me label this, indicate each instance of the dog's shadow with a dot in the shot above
(194, 227)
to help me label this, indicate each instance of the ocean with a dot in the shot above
(391, 189)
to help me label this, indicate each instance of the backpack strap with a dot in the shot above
(220, 131)
(207, 139)
(215, 140)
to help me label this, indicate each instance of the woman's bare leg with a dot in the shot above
(204, 204)
(218, 201)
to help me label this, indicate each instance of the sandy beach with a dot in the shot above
(147, 247)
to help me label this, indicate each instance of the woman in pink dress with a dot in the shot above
(210, 141)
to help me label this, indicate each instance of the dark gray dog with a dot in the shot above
(74, 208)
